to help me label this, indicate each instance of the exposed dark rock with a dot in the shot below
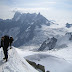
(36, 66)
(48, 44)
(32, 63)
(68, 25)
(70, 35)
(47, 71)
(41, 67)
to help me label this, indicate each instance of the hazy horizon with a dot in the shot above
(58, 10)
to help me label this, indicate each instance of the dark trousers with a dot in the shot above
(5, 52)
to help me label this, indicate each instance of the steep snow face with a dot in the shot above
(15, 63)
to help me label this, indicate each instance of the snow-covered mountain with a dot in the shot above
(15, 63)
(23, 27)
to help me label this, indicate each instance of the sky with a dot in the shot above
(58, 10)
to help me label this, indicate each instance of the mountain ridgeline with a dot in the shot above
(22, 27)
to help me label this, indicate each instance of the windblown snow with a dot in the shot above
(15, 63)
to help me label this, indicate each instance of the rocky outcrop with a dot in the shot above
(41, 67)
(32, 63)
(48, 44)
(36, 66)
(47, 71)
(68, 25)
(70, 35)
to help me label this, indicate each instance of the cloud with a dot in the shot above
(30, 10)
(5, 12)
(41, 4)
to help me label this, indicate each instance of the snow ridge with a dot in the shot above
(15, 63)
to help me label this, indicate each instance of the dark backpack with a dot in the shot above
(6, 40)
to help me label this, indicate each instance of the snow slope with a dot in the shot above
(15, 63)
(54, 60)
(51, 63)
